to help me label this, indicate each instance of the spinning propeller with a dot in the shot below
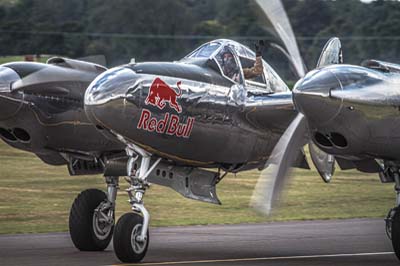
(274, 177)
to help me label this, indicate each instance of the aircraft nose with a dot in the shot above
(312, 96)
(109, 85)
(9, 104)
(105, 98)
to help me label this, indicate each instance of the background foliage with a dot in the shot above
(169, 29)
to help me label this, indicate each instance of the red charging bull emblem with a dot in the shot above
(160, 93)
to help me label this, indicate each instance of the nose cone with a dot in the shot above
(9, 102)
(105, 97)
(109, 85)
(311, 96)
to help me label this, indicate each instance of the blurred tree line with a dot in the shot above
(169, 29)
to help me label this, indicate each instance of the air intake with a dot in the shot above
(7, 135)
(322, 140)
(338, 140)
(21, 134)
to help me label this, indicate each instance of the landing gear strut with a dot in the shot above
(131, 236)
(393, 217)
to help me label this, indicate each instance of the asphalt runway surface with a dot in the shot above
(334, 242)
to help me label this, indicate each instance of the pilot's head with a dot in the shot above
(228, 63)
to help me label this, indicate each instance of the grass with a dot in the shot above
(35, 197)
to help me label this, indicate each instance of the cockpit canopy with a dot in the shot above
(231, 57)
(206, 50)
(209, 49)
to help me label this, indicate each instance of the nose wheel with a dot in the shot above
(131, 236)
(128, 246)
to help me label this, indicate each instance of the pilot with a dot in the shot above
(229, 65)
(231, 69)
(257, 68)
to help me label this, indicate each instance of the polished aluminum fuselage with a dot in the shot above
(233, 126)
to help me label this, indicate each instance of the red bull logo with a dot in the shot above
(170, 124)
(160, 93)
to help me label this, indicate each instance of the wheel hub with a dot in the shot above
(102, 223)
(137, 246)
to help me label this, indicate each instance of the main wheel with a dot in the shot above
(395, 230)
(89, 229)
(126, 246)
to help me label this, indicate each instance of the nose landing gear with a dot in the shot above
(131, 236)
(92, 215)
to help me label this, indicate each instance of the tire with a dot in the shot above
(81, 222)
(395, 231)
(127, 228)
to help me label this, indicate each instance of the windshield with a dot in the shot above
(205, 51)
(243, 51)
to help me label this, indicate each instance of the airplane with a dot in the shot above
(170, 124)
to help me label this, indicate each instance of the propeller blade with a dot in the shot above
(272, 179)
(276, 13)
(324, 162)
(331, 53)
(271, 182)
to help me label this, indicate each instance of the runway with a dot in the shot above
(335, 242)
